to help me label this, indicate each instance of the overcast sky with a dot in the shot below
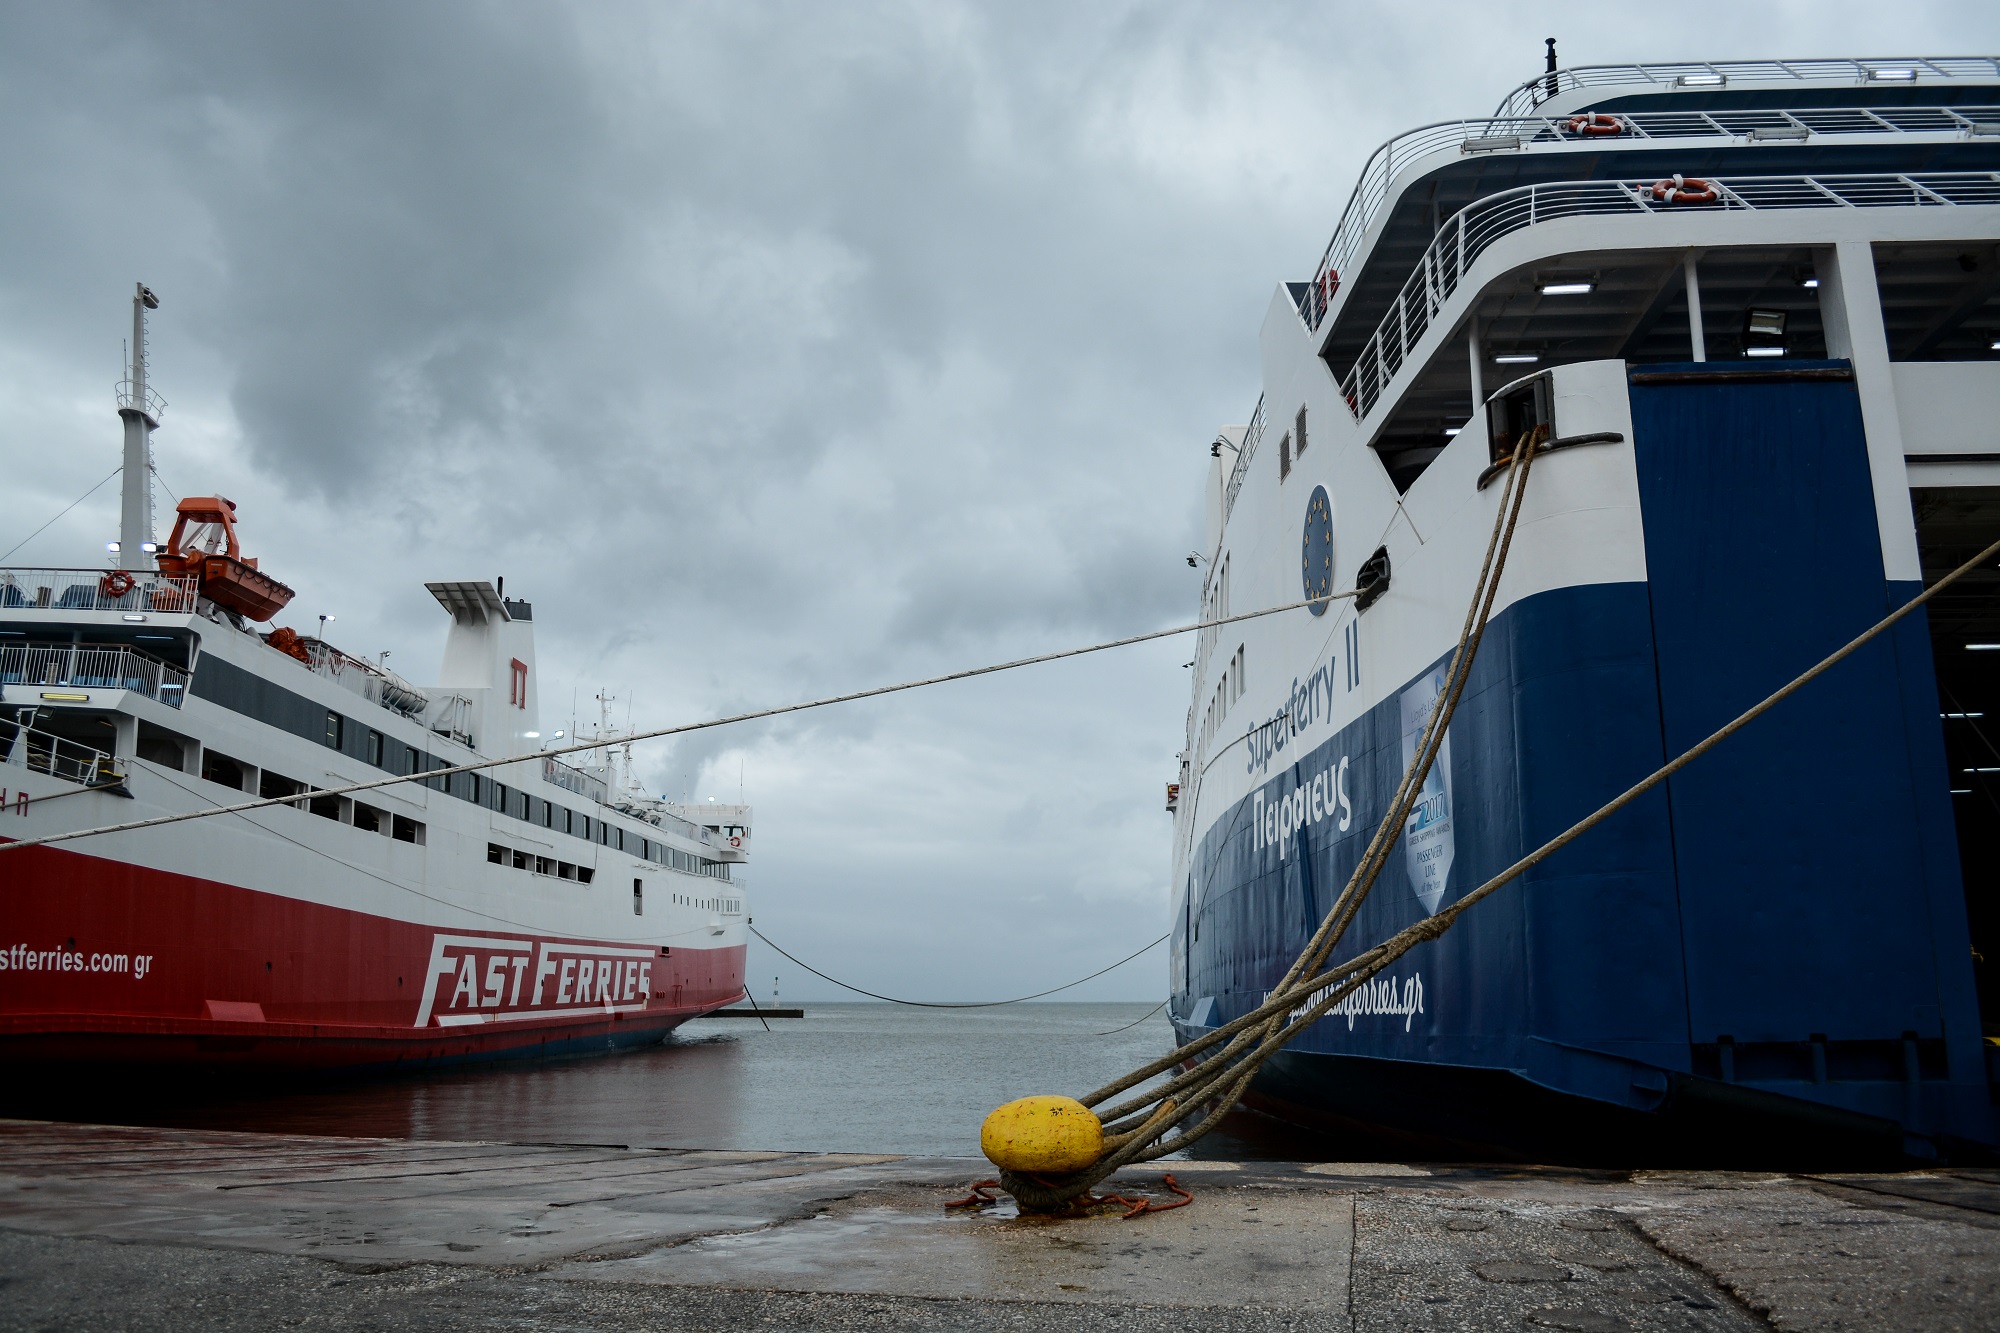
(771, 350)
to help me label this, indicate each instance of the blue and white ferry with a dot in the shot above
(1754, 309)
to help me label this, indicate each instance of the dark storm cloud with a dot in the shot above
(773, 349)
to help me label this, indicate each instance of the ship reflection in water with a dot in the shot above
(865, 1078)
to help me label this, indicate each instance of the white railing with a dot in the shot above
(1518, 132)
(80, 666)
(90, 590)
(574, 780)
(72, 761)
(1479, 224)
(1244, 451)
(1719, 73)
(131, 396)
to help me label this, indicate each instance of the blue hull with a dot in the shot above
(1776, 938)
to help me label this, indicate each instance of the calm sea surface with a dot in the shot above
(846, 1078)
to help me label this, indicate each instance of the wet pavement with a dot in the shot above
(122, 1228)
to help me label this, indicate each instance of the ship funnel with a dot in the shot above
(140, 409)
(489, 658)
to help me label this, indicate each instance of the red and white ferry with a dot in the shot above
(534, 907)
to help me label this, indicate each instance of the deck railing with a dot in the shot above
(1515, 132)
(1478, 225)
(574, 779)
(85, 590)
(1707, 74)
(81, 666)
(1244, 451)
(72, 761)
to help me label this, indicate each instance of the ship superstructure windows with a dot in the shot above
(1299, 433)
(1285, 456)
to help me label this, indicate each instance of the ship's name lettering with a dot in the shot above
(1307, 703)
(483, 979)
(1316, 799)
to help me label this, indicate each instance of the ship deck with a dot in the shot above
(196, 1230)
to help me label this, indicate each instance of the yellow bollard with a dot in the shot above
(1043, 1135)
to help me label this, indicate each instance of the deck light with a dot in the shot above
(113, 546)
(1969, 770)
(1996, 345)
(1568, 288)
(1902, 75)
(1961, 715)
(1808, 282)
(149, 547)
(1517, 359)
(1450, 431)
(135, 618)
(1982, 647)
(1701, 80)
(1763, 351)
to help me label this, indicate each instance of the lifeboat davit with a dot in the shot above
(204, 544)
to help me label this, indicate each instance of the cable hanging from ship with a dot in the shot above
(657, 733)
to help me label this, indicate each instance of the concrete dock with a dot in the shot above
(142, 1229)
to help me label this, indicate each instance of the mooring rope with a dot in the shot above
(1132, 1131)
(375, 784)
(1219, 1081)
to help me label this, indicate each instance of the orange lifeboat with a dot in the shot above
(204, 544)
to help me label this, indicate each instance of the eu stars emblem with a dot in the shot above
(1316, 554)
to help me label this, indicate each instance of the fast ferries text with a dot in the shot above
(482, 979)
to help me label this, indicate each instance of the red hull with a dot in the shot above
(101, 961)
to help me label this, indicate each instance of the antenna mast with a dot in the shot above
(140, 408)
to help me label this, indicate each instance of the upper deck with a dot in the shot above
(1825, 118)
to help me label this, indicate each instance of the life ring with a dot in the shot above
(736, 842)
(1329, 283)
(116, 583)
(1595, 124)
(1679, 189)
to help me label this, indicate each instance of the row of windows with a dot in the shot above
(540, 865)
(1286, 448)
(1227, 691)
(220, 768)
(730, 905)
(244, 692)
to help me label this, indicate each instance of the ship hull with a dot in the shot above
(106, 962)
(1764, 958)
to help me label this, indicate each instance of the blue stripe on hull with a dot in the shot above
(1783, 920)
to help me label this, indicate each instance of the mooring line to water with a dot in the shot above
(375, 784)
(977, 1004)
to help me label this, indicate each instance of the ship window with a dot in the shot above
(334, 722)
(520, 860)
(326, 807)
(582, 827)
(274, 786)
(406, 830)
(499, 799)
(1301, 432)
(548, 815)
(222, 769)
(472, 780)
(544, 866)
(564, 870)
(375, 748)
(367, 818)
(496, 854)
(638, 898)
(1285, 456)
(583, 874)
